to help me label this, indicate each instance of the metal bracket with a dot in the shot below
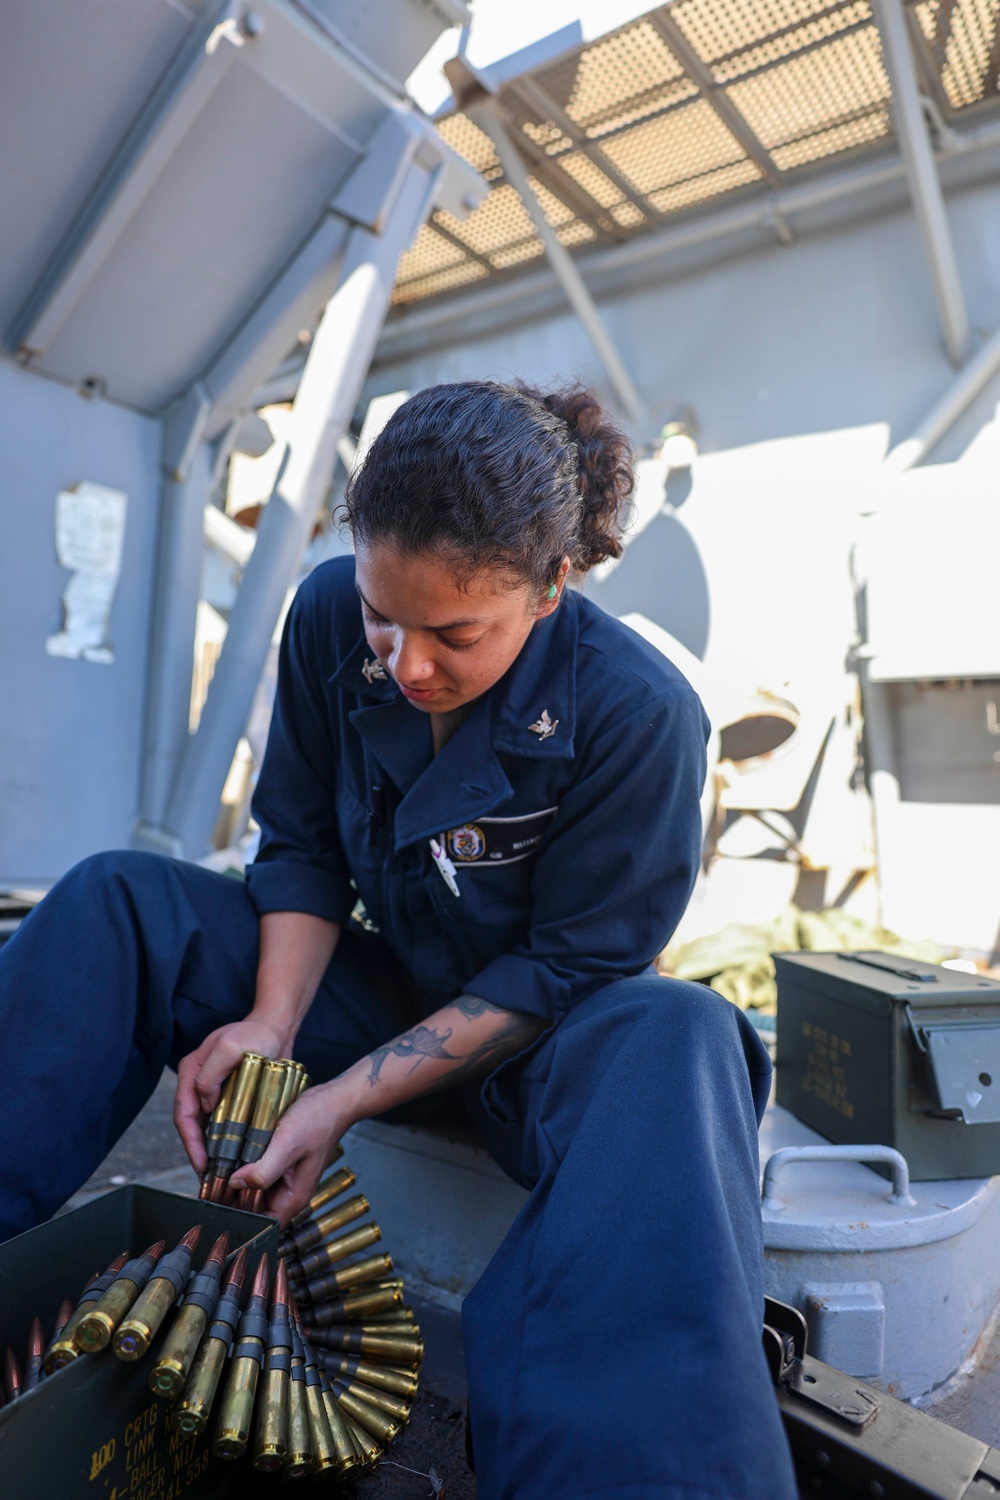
(832, 1390)
(791, 1367)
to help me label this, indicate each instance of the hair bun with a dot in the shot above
(604, 467)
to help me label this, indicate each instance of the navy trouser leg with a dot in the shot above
(614, 1342)
(127, 965)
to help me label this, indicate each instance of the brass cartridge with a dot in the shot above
(320, 1437)
(232, 1431)
(348, 1458)
(339, 1249)
(270, 1444)
(266, 1106)
(191, 1415)
(338, 1182)
(219, 1116)
(383, 1377)
(393, 1406)
(63, 1349)
(362, 1273)
(381, 1426)
(172, 1368)
(96, 1327)
(292, 1084)
(133, 1337)
(329, 1222)
(299, 1459)
(383, 1348)
(257, 1137)
(352, 1307)
(229, 1140)
(365, 1443)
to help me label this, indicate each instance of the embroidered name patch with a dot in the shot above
(497, 841)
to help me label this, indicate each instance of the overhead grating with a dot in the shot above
(688, 103)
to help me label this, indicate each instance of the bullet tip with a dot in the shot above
(218, 1252)
(155, 1251)
(238, 1269)
(36, 1339)
(281, 1293)
(190, 1240)
(261, 1277)
(118, 1262)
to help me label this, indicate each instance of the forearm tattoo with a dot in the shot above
(421, 1042)
(472, 1006)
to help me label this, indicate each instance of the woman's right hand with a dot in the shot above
(201, 1074)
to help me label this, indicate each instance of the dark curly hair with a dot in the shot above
(496, 476)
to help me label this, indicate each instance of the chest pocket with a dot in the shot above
(497, 841)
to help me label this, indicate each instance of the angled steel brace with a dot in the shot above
(474, 94)
(334, 372)
(922, 177)
(713, 94)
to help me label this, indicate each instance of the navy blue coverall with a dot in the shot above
(613, 1344)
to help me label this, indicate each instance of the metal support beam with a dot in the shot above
(922, 177)
(182, 93)
(186, 465)
(331, 382)
(486, 117)
(713, 94)
(530, 91)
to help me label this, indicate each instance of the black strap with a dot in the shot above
(175, 1267)
(312, 1375)
(279, 1334)
(138, 1271)
(203, 1291)
(253, 1325)
(96, 1292)
(227, 1315)
(279, 1359)
(249, 1349)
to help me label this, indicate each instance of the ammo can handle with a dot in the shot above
(884, 1154)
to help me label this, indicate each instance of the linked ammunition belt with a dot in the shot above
(313, 1370)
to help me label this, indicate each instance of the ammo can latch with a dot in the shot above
(964, 1063)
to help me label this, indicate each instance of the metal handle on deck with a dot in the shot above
(884, 1154)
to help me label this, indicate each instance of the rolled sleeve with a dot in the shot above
(300, 865)
(617, 867)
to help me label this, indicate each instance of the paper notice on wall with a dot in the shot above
(90, 531)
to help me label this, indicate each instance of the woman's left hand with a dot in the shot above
(302, 1145)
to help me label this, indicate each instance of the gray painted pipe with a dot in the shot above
(922, 177)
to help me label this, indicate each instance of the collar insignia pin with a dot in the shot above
(373, 671)
(544, 727)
